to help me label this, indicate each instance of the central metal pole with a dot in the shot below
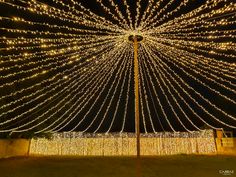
(136, 92)
(135, 39)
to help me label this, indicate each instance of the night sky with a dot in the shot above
(8, 11)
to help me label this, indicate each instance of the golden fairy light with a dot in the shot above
(70, 54)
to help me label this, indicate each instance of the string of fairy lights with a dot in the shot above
(68, 65)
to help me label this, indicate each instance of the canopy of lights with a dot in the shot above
(68, 65)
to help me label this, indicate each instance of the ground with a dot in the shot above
(161, 166)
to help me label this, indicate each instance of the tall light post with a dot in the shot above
(135, 39)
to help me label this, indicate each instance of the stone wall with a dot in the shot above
(226, 146)
(14, 147)
(116, 145)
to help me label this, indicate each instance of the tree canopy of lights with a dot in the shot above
(68, 65)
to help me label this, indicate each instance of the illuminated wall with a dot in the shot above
(125, 144)
(13, 147)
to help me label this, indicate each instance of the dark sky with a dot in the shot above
(157, 117)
